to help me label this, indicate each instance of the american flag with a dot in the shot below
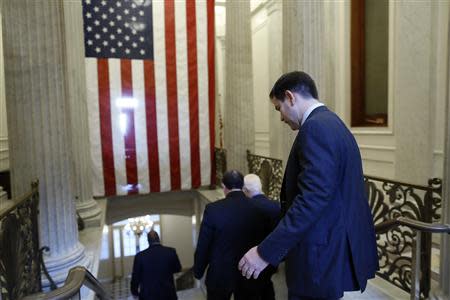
(150, 92)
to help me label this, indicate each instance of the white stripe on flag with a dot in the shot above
(161, 93)
(98, 186)
(137, 67)
(202, 61)
(119, 123)
(183, 94)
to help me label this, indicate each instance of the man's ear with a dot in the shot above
(290, 97)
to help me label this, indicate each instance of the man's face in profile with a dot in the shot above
(287, 111)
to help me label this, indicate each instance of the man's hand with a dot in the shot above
(252, 264)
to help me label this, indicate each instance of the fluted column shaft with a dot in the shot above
(239, 122)
(39, 123)
(4, 161)
(292, 41)
(275, 28)
(86, 206)
(444, 271)
(304, 49)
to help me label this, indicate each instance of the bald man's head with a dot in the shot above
(152, 237)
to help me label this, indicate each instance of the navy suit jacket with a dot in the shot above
(230, 227)
(153, 269)
(270, 208)
(327, 235)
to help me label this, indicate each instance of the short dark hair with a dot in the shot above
(233, 179)
(296, 81)
(152, 237)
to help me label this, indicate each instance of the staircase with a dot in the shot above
(119, 289)
(184, 281)
(377, 289)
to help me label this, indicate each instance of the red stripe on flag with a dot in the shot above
(172, 96)
(104, 100)
(152, 129)
(129, 135)
(193, 92)
(211, 86)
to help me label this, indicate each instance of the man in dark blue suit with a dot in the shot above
(326, 235)
(230, 227)
(153, 269)
(253, 190)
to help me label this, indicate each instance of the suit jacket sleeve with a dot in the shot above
(176, 263)
(202, 252)
(135, 277)
(317, 184)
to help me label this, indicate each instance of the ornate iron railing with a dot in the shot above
(221, 163)
(270, 170)
(390, 199)
(420, 229)
(20, 272)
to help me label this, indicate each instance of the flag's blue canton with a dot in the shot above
(118, 29)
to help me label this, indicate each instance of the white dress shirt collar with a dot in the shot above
(310, 110)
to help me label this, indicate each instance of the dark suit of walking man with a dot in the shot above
(253, 190)
(326, 235)
(230, 227)
(153, 269)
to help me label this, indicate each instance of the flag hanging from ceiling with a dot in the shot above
(150, 92)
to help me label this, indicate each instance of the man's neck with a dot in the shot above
(307, 104)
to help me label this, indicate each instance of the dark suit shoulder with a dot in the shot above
(213, 208)
(219, 204)
(171, 250)
(323, 119)
(267, 206)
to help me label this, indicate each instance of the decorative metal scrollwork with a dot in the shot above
(221, 163)
(270, 170)
(390, 199)
(20, 272)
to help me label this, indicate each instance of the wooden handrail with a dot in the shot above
(78, 276)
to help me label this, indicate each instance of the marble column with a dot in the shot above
(4, 161)
(444, 270)
(304, 38)
(277, 129)
(239, 124)
(292, 41)
(86, 206)
(39, 124)
(314, 58)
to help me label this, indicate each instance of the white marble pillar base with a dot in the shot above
(89, 212)
(58, 266)
(3, 195)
